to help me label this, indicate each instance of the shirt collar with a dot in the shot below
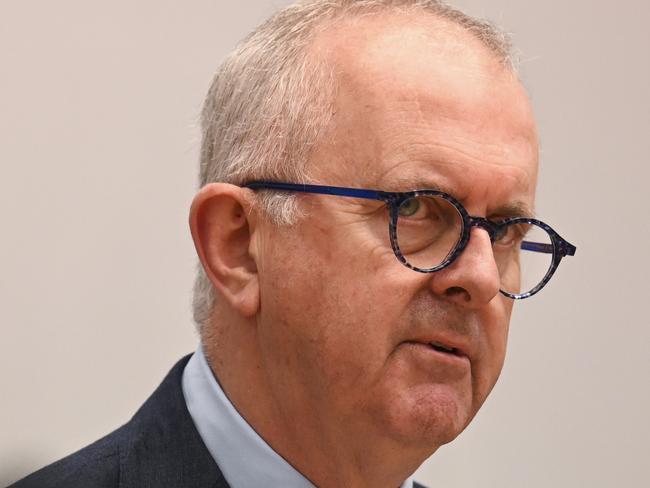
(244, 458)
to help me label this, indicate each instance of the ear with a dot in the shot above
(221, 225)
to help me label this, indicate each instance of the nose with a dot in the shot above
(473, 278)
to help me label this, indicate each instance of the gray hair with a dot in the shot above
(270, 100)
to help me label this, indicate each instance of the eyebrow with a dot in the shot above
(515, 209)
(409, 183)
(512, 209)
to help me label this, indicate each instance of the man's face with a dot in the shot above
(344, 327)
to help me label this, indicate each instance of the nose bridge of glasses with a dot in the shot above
(491, 230)
(483, 223)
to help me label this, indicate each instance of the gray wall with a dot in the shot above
(98, 151)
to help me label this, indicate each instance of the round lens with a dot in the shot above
(428, 229)
(524, 254)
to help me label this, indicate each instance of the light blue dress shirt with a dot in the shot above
(244, 458)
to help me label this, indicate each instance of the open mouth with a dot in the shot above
(442, 348)
(436, 355)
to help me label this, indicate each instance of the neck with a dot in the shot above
(329, 450)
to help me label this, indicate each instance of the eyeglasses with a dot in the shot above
(429, 229)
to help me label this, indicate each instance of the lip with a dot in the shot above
(453, 363)
(459, 347)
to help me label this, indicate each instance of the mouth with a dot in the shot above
(444, 349)
(438, 358)
(441, 347)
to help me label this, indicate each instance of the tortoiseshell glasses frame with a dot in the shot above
(558, 246)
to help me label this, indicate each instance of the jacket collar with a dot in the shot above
(162, 448)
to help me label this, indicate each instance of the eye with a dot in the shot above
(512, 234)
(410, 207)
(423, 207)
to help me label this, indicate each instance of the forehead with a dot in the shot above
(420, 98)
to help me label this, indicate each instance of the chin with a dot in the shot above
(430, 416)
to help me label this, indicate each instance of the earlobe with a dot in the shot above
(222, 225)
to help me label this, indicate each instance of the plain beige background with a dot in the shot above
(98, 161)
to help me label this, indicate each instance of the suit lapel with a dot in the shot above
(162, 448)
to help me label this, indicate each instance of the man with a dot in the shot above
(368, 176)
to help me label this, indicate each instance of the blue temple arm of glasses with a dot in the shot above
(537, 247)
(566, 250)
(320, 189)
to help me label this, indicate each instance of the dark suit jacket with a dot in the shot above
(158, 448)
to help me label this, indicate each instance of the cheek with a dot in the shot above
(327, 317)
(495, 337)
(338, 281)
